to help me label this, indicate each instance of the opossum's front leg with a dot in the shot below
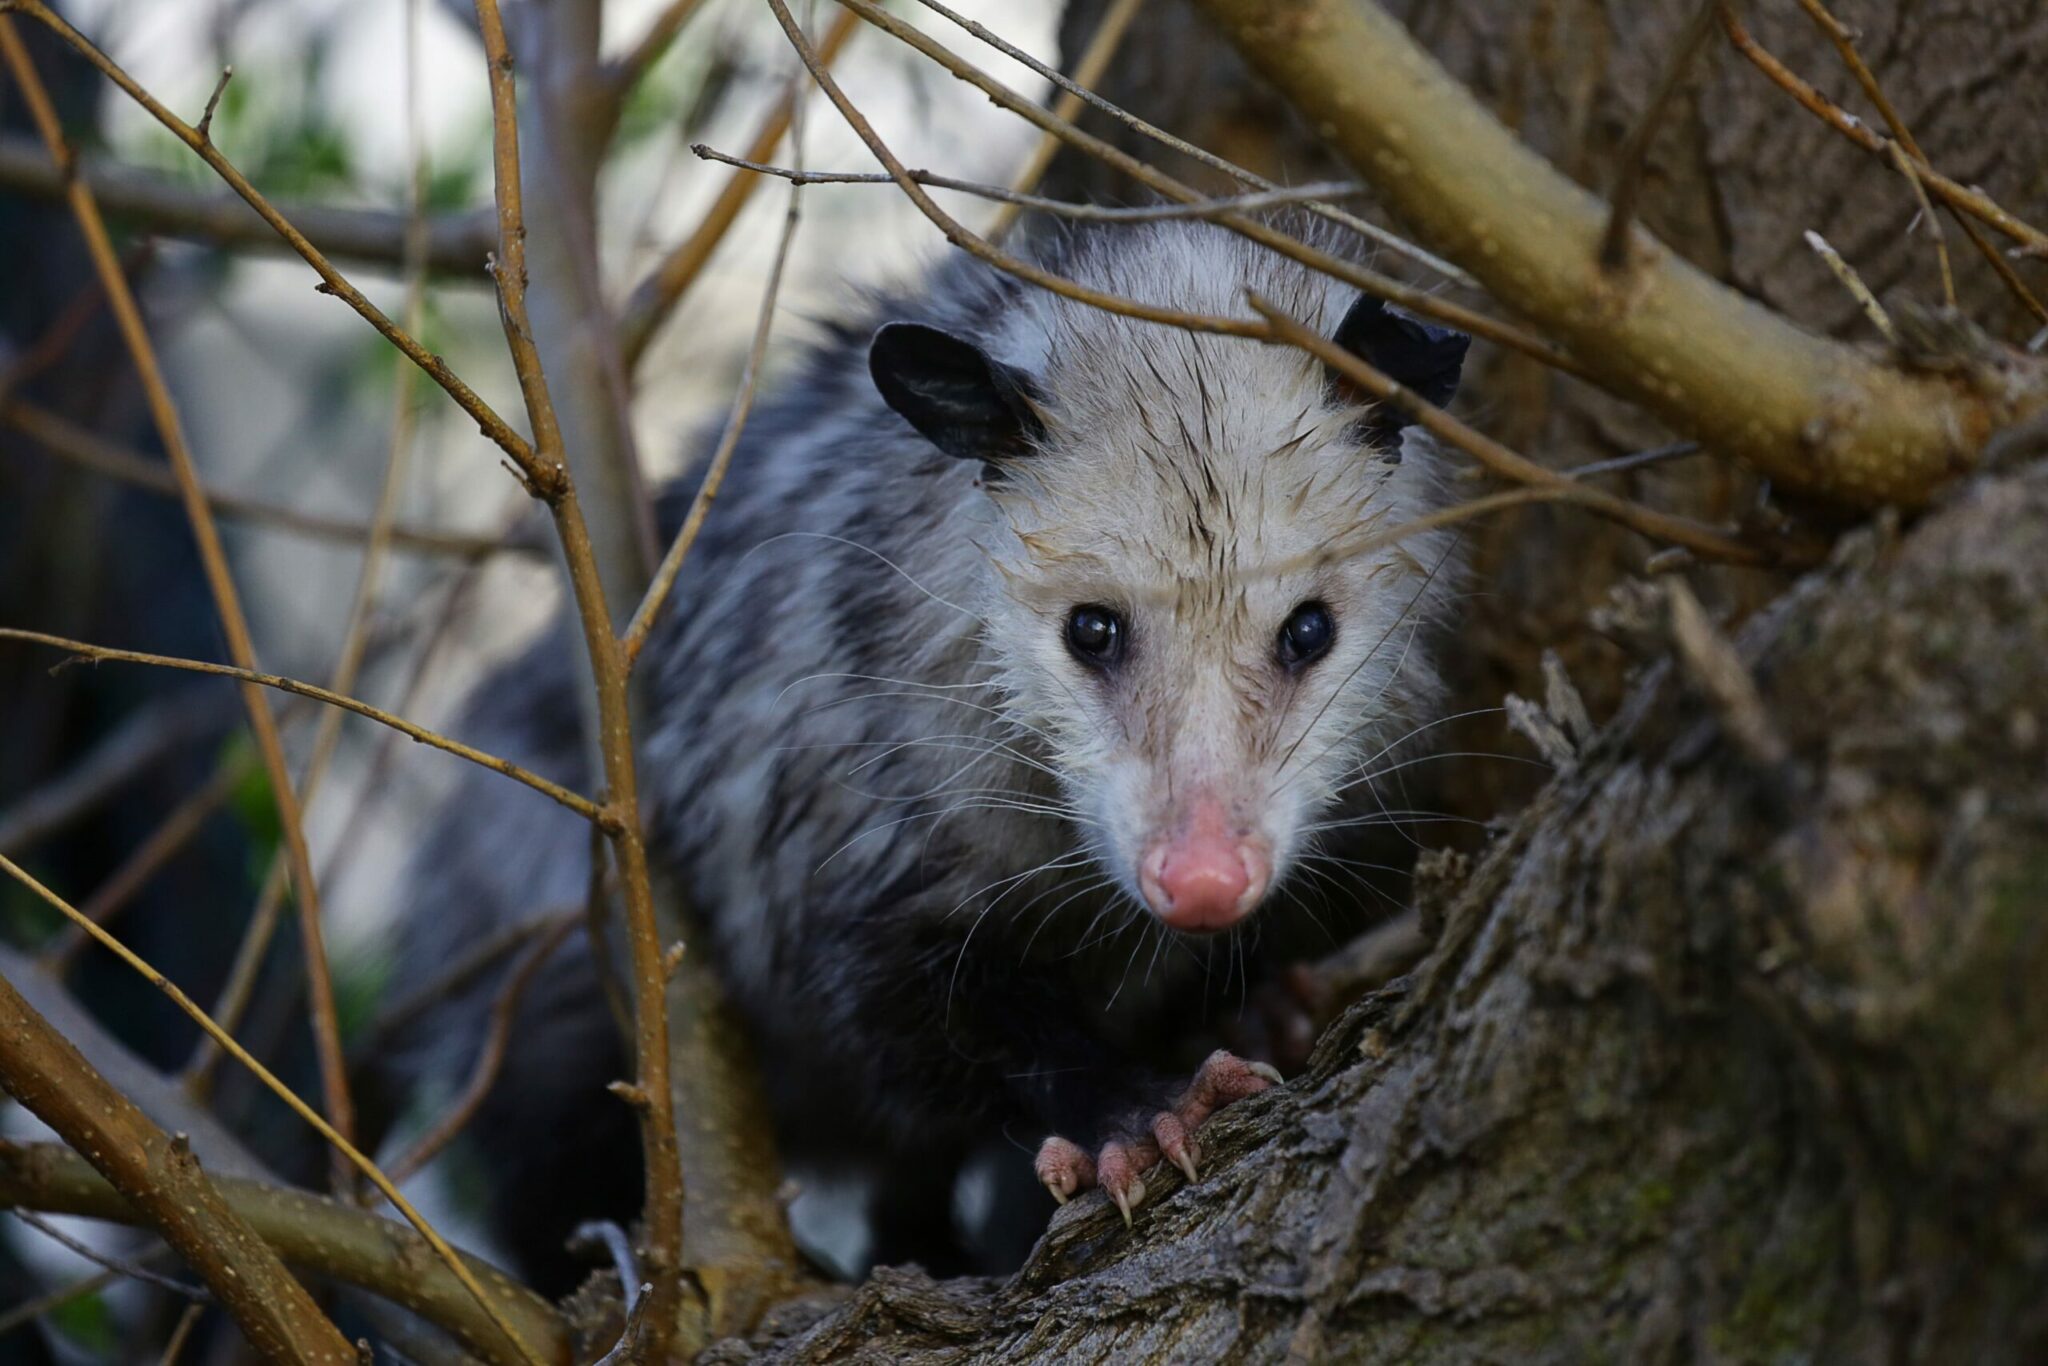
(1119, 1164)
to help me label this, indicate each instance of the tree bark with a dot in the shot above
(1729, 1049)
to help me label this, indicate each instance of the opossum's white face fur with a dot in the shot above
(1184, 600)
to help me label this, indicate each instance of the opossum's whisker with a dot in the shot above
(1329, 879)
(1336, 692)
(1094, 884)
(1009, 884)
(979, 804)
(988, 747)
(906, 575)
(1398, 816)
(1405, 736)
(796, 683)
(1000, 715)
(1439, 756)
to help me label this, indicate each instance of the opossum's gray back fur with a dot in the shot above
(831, 739)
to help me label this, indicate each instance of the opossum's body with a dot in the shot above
(910, 809)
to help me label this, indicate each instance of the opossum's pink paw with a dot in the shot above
(1063, 1168)
(1119, 1166)
(1120, 1169)
(1224, 1078)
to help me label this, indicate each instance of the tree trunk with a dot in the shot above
(1732, 1048)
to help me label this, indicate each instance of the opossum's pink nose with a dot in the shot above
(1205, 875)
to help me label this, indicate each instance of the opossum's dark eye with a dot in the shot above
(1095, 635)
(1306, 635)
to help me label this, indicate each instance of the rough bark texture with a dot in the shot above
(1711, 1061)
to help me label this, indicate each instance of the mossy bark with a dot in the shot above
(1713, 1058)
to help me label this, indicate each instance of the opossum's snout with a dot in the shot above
(1207, 871)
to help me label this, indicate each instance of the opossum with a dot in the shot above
(1025, 659)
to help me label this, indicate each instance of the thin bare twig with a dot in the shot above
(970, 242)
(74, 443)
(656, 296)
(477, 959)
(1816, 415)
(1373, 232)
(1853, 282)
(1095, 59)
(650, 1095)
(1845, 44)
(325, 1017)
(161, 845)
(1628, 182)
(30, 1310)
(581, 805)
(1960, 197)
(130, 1270)
(491, 1306)
(144, 738)
(491, 1060)
(1497, 458)
(1416, 301)
(649, 611)
(542, 480)
(1254, 202)
(181, 1333)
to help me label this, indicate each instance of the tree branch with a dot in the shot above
(1382, 286)
(1812, 414)
(161, 1178)
(576, 802)
(384, 1185)
(317, 1235)
(539, 479)
(74, 443)
(456, 242)
(656, 297)
(650, 1095)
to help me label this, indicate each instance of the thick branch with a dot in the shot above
(317, 1235)
(456, 242)
(1812, 414)
(161, 1178)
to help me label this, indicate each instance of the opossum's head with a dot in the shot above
(1179, 602)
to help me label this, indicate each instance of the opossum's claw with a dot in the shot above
(1176, 1143)
(1222, 1078)
(1063, 1168)
(1120, 1168)
(1126, 1197)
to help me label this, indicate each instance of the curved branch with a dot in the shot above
(316, 1235)
(1812, 414)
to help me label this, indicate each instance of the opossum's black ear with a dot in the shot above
(963, 400)
(1425, 359)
